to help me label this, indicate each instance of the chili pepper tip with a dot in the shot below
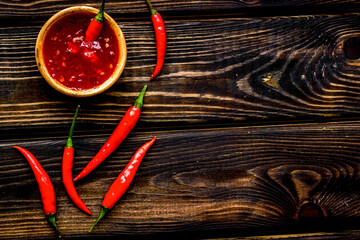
(139, 101)
(104, 211)
(76, 178)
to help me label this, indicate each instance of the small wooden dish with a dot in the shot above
(90, 92)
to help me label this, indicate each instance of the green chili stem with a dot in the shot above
(69, 143)
(139, 101)
(153, 11)
(51, 219)
(103, 212)
(100, 16)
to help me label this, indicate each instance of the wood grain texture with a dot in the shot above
(216, 71)
(303, 236)
(228, 63)
(194, 183)
(35, 8)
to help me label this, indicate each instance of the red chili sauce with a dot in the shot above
(74, 62)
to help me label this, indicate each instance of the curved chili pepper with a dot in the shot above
(67, 165)
(126, 124)
(122, 182)
(94, 29)
(46, 188)
(160, 35)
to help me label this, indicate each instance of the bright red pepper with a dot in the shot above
(122, 182)
(126, 124)
(67, 165)
(94, 29)
(46, 188)
(160, 35)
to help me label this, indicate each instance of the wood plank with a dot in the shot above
(209, 183)
(36, 8)
(217, 71)
(304, 236)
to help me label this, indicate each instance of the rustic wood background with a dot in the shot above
(256, 112)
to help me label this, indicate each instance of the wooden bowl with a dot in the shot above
(82, 93)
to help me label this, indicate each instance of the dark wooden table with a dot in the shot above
(256, 112)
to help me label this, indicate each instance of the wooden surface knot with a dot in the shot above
(352, 48)
(310, 213)
(305, 181)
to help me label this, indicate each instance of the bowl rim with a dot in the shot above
(89, 92)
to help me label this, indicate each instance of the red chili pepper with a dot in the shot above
(46, 188)
(67, 165)
(160, 35)
(126, 124)
(94, 29)
(122, 182)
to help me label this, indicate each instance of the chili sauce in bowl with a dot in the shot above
(74, 66)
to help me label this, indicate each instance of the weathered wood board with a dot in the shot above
(216, 71)
(231, 179)
(28, 9)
